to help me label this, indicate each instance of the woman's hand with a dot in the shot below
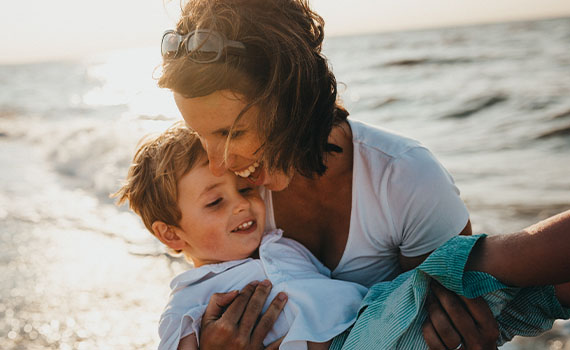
(231, 320)
(456, 322)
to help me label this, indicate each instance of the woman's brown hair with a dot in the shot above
(283, 72)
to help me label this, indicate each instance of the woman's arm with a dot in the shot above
(408, 263)
(538, 255)
(429, 211)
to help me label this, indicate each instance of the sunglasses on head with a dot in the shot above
(200, 45)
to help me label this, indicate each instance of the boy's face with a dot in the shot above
(223, 218)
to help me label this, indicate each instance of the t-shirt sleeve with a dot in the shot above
(425, 206)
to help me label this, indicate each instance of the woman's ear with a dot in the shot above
(167, 235)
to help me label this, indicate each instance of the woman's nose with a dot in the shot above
(215, 158)
(216, 164)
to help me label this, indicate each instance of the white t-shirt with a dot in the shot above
(403, 199)
(318, 308)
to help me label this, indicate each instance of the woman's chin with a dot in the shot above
(277, 181)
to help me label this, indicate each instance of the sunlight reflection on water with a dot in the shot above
(128, 77)
(65, 285)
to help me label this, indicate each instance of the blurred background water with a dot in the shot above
(491, 101)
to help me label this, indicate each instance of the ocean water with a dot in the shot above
(491, 101)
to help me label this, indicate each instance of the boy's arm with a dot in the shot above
(538, 255)
(189, 342)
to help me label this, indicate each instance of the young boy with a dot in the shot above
(218, 223)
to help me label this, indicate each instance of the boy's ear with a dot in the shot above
(167, 235)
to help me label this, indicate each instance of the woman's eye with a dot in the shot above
(214, 203)
(235, 134)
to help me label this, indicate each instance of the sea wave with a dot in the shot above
(407, 62)
(563, 131)
(476, 105)
(563, 114)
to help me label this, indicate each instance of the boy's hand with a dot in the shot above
(231, 319)
(456, 322)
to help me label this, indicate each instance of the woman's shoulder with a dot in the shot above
(372, 138)
(380, 153)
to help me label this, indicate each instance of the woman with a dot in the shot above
(249, 77)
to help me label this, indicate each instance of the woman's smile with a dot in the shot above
(246, 172)
(213, 117)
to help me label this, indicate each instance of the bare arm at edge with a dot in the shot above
(537, 255)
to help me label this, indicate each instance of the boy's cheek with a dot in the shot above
(210, 243)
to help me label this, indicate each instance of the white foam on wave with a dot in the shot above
(89, 155)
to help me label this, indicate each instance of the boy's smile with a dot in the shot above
(223, 218)
(246, 227)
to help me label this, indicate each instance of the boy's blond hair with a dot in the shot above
(151, 186)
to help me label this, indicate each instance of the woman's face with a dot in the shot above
(212, 117)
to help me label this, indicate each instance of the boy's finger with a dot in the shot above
(234, 312)
(254, 308)
(216, 306)
(266, 321)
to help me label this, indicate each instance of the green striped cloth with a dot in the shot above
(392, 313)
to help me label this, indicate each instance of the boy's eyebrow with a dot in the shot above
(209, 188)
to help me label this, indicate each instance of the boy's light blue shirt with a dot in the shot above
(392, 313)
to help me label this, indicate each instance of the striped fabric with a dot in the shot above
(391, 315)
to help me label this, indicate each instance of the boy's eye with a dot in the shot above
(214, 203)
(245, 190)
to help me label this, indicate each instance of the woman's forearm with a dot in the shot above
(538, 255)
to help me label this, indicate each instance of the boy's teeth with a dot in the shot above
(245, 225)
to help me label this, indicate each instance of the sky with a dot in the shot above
(39, 30)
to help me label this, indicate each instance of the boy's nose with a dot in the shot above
(242, 204)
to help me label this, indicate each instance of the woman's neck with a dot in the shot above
(316, 211)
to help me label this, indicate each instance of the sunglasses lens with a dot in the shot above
(170, 44)
(204, 47)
